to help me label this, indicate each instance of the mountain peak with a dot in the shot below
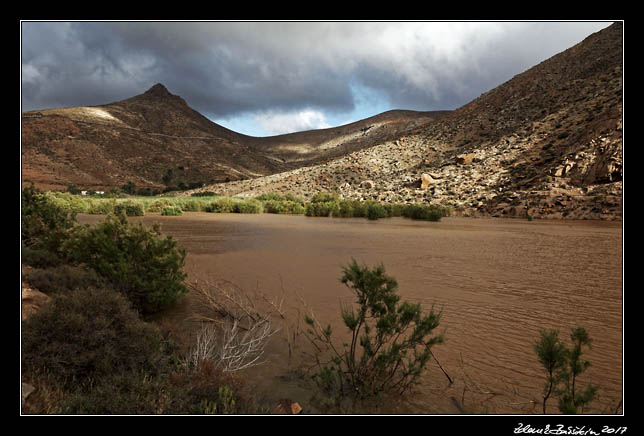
(158, 90)
(159, 94)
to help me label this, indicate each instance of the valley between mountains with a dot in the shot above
(546, 144)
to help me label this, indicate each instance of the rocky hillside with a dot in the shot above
(547, 143)
(141, 138)
(308, 147)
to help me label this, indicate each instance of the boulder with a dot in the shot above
(425, 181)
(463, 159)
(32, 301)
(367, 184)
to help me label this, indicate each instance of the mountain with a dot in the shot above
(304, 148)
(547, 143)
(157, 134)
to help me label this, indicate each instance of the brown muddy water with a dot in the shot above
(498, 282)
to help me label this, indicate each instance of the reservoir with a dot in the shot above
(497, 282)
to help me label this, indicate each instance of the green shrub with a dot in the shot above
(393, 209)
(292, 197)
(297, 208)
(274, 206)
(129, 208)
(137, 261)
(390, 342)
(359, 208)
(345, 209)
(322, 208)
(248, 206)
(426, 212)
(128, 393)
(172, 211)
(283, 207)
(370, 209)
(61, 278)
(88, 334)
(572, 399)
(208, 390)
(191, 205)
(100, 207)
(323, 204)
(221, 205)
(324, 197)
(328, 204)
(282, 204)
(375, 210)
(40, 257)
(563, 366)
(73, 203)
(45, 224)
(158, 205)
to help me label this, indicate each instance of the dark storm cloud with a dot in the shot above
(228, 68)
(64, 67)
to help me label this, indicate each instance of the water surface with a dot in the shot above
(498, 282)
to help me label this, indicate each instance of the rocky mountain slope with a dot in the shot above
(139, 139)
(547, 143)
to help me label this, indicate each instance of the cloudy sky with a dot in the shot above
(269, 78)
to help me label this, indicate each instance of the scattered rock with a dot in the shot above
(463, 159)
(425, 181)
(286, 407)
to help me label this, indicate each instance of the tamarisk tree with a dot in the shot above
(563, 367)
(390, 341)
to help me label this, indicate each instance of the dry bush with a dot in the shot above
(237, 326)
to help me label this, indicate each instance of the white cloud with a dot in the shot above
(30, 74)
(279, 123)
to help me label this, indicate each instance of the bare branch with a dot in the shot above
(204, 347)
(236, 331)
(243, 350)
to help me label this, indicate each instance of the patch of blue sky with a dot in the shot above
(367, 103)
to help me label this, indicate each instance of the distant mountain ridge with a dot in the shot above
(139, 139)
